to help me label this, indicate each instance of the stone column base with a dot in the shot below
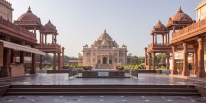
(185, 73)
(33, 70)
(201, 72)
(5, 72)
(174, 72)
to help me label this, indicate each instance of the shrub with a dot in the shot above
(156, 67)
(163, 67)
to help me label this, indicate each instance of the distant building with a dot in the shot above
(104, 53)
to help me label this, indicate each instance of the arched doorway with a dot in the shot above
(105, 60)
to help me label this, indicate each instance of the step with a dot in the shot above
(102, 86)
(101, 90)
(106, 93)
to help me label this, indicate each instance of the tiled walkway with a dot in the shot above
(102, 99)
(62, 79)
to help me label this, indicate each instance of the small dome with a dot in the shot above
(159, 27)
(94, 43)
(29, 16)
(180, 16)
(105, 42)
(49, 25)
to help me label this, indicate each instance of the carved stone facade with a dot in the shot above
(6, 10)
(104, 54)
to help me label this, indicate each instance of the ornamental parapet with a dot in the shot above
(7, 25)
(189, 31)
(156, 45)
(51, 45)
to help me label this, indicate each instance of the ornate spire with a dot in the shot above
(29, 8)
(49, 21)
(105, 30)
(180, 8)
(159, 21)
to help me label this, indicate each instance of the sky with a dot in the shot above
(81, 22)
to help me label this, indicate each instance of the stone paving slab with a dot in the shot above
(63, 79)
(102, 99)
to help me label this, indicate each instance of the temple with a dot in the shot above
(104, 54)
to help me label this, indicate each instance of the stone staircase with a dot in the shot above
(150, 90)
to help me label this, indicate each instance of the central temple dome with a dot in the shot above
(105, 36)
(29, 16)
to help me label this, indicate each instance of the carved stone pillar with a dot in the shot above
(185, 71)
(12, 56)
(54, 61)
(153, 54)
(59, 67)
(35, 31)
(168, 58)
(56, 39)
(42, 38)
(174, 69)
(40, 41)
(155, 38)
(145, 58)
(195, 59)
(173, 29)
(162, 39)
(40, 62)
(5, 69)
(63, 57)
(33, 68)
(45, 39)
(168, 38)
(52, 38)
(201, 69)
(22, 56)
(165, 38)
(149, 61)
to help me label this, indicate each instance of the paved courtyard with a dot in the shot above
(102, 99)
(63, 79)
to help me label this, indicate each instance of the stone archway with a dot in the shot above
(105, 60)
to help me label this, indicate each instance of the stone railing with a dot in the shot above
(189, 28)
(52, 45)
(17, 29)
(156, 45)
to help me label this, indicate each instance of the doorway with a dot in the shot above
(105, 60)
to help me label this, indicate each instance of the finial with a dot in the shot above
(105, 30)
(49, 21)
(29, 8)
(159, 21)
(180, 8)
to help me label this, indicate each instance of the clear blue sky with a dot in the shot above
(81, 22)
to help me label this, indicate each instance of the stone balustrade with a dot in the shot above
(195, 26)
(156, 45)
(51, 45)
(17, 29)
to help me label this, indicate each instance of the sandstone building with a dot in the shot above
(104, 53)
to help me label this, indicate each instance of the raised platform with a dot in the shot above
(103, 73)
